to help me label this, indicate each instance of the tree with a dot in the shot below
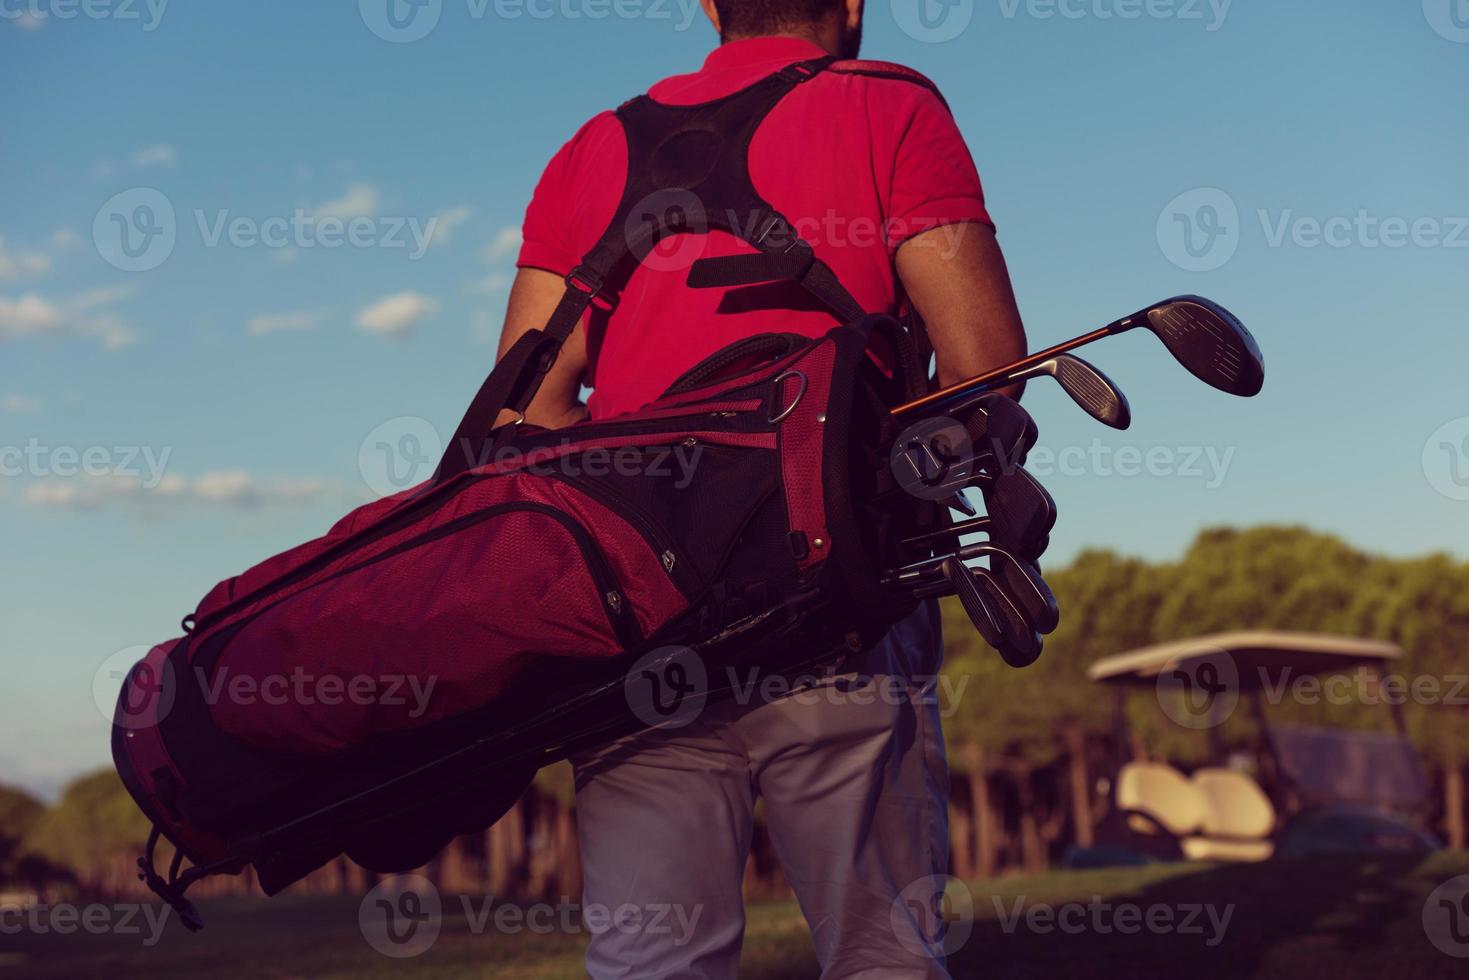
(94, 822)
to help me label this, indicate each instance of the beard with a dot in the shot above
(850, 45)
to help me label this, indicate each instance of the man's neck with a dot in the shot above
(826, 37)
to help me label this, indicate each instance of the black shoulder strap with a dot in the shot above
(687, 172)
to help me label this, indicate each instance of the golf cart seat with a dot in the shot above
(1158, 800)
(1218, 815)
(1238, 818)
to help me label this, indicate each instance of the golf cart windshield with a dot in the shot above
(1333, 765)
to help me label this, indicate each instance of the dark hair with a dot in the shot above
(752, 18)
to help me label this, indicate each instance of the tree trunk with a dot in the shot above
(961, 838)
(1032, 846)
(1453, 792)
(984, 812)
(1081, 790)
(568, 854)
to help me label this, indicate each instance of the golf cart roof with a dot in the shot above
(1259, 656)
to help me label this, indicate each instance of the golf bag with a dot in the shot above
(399, 681)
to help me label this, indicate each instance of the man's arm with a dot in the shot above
(533, 297)
(956, 278)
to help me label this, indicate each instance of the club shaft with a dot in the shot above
(989, 378)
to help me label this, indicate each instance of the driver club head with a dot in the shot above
(1208, 340)
(1085, 383)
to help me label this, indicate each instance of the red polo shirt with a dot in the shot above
(858, 163)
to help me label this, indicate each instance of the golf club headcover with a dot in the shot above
(1022, 513)
(999, 430)
(1023, 582)
(1019, 644)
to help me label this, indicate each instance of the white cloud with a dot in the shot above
(359, 201)
(220, 488)
(445, 222)
(64, 240)
(102, 296)
(21, 263)
(84, 315)
(505, 245)
(395, 316)
(27, 316)
(276, 322)
(14, 403)
(31, 21)
(161, 155)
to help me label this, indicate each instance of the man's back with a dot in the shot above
(860, 163)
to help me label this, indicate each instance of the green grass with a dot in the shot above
(1293, 920)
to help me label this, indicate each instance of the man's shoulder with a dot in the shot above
(887, 70)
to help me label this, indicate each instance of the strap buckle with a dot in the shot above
(584, 279)
(802, 71)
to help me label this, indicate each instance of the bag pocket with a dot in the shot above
(439, 624)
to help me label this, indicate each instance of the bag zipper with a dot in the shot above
(685, 578)
(620, 615)
(392, 522)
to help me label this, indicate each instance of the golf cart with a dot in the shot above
(1298, 790)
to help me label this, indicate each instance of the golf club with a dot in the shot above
(1021, 581)
(1087, 386)
(1208, 340)
(992, 611)
(1083, 381)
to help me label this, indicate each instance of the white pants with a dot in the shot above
(855, 785)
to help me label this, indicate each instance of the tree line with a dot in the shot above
(1029, 749)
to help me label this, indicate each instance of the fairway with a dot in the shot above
(1293, 920)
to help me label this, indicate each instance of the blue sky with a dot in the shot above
(229, 395)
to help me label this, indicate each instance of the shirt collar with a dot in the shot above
(762, 50)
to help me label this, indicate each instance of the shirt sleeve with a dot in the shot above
(548, 231)
(934, 178)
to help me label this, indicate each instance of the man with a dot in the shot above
(867, 163)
